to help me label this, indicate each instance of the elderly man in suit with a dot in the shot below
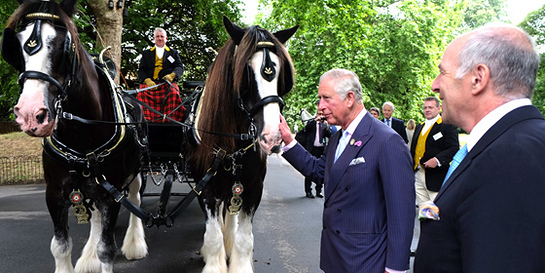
(369, 199)
(394, 123)
(490, 208)
(433, 145)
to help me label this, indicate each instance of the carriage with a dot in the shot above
(97, 145)
(165, 159)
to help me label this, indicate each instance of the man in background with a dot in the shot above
(314, 138)
(394, 123)
(433, 145)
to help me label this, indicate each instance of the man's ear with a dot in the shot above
(351, 97)
(480, 78)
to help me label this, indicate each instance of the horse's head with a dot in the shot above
(263, 74)
(38, 44)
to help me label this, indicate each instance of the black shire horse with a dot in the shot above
(60, 83)
(237, 123)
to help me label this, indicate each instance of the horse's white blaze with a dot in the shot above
(270, 136)
(33, 100)
(88, 261)
(241, 255)
(213, 251)
(134, 243)
(62, 253)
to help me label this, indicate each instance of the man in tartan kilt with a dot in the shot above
(161, 64)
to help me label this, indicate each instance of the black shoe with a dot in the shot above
(319, 195)
(309, 195)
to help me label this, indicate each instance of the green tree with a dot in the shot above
(393, 46)
(479, 12)
(534, 24)
(192, 26)
(8, 75)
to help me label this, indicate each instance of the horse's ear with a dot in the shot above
(284, 35)
(234, 31)
(68, 6)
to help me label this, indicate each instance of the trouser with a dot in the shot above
(317, 152)
(422, 192)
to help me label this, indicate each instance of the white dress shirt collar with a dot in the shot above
(492, 118)
(160, 51)
(428, 123)
(354, 124)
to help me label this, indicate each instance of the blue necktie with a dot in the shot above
(458, 157)
(342, 144)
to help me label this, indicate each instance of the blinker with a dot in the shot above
(34, 42)
(11, 49)
(268, 72)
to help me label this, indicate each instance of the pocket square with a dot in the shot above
(357, 161)
(428, 210)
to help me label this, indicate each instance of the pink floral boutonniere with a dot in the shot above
(358, 143)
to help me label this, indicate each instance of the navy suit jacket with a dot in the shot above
(442, 143)
(398, 126)
(491, 209)
(369, 200)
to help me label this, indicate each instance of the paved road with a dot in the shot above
(286, 231)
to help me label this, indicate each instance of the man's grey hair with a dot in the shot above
(389, 103)
(346, 80)
(161, 30)
(512, 62)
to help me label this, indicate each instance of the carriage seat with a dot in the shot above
(192, 84)
(108, 64)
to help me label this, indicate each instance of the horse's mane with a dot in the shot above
(226, 80)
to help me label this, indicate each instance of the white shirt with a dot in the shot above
(159, 51)
(428, 123)
(492, 118)
(317, 140)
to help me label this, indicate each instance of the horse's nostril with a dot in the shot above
(42, 114)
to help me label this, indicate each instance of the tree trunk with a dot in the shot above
(109, 26)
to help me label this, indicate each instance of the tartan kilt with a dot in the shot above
(165, 100)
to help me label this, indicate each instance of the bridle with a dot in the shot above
(268, 72)
(34, 44)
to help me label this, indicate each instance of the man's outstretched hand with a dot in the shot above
(285, 131)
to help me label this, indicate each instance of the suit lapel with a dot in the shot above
(513, 117)
(336, 170)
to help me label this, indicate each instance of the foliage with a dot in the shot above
(394, 47)
(192, 26)
(8, 75)
(479, 12)
(534, 24)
